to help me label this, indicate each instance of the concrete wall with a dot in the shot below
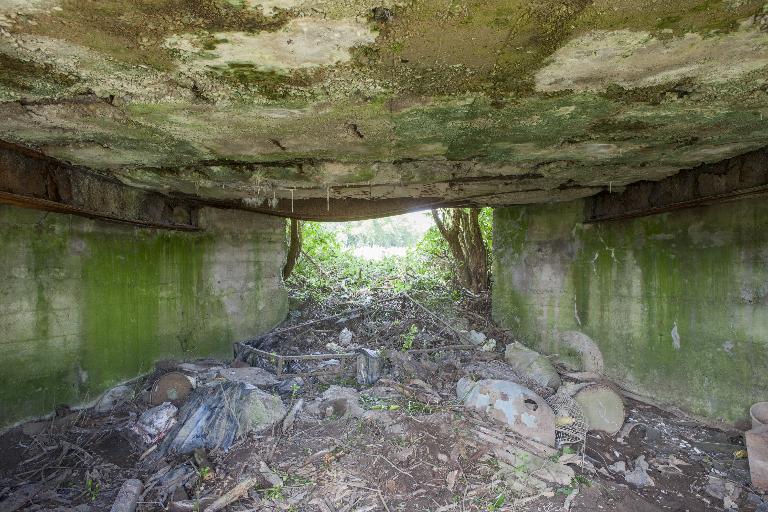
(85, 304)
(677, 302)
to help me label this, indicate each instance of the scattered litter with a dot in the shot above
(155, 422)
(407, 413)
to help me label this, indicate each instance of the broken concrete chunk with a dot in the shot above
(639, 476)
(602, 407)
(345, 337)
(155, 422)
(618, 467)
(172, 387)
(128, 496)
(476, 338)
(518, 407)
(369, 364)
(337, 401)
(256, 377)
(579, 353)
(531, 364)
(114, 397)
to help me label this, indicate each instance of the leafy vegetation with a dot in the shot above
(328, 263)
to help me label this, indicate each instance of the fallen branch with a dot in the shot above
(234, 494)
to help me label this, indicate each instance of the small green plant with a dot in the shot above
(274, 493)
(499, 502)
(294, 390)
(204, 472)
(409, 337)
(92, 488)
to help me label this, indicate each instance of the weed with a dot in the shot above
(274, 493)
(499, 502)
(92, 488)
(409, 337)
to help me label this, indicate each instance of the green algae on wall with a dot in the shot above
(676, 302)
(85, 305)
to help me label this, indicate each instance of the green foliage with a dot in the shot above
(92, 488)
(328, 264)
(499, 502)
(384, 232)
(409, 336)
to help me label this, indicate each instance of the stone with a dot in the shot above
(639, 476)
(368, 369)
(172, 387)
(602, 407)
(256, 377)
(518, 407)
(345, 337)
(618, 467)
(337, 401)
(579, 352)
(476, 338)
(114, 397)
(128, 496)
(531, 364)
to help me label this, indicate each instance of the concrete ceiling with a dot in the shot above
(354, 108)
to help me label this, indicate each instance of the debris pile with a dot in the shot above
(385, 406)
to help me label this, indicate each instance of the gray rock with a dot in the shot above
(256, 377)
(639, 476)
(345, 337)
(531, 364)
(337, 401)
(602, 407)
(521, 409)
(476, 338)
(618, 467)
(579, 352)
(114, 397)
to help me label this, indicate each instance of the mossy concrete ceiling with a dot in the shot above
(253, 103)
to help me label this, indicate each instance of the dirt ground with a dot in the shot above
(404, 444)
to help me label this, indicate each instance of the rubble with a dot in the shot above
(639, 475)
(128, 496)
(256, 377)
(436, 426)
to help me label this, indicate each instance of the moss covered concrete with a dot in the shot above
(204, 97)
(85, 305)
(676, 302)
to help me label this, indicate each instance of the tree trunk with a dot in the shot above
(461, 230)
(294, 248)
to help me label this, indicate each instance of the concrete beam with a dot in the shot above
(741, 177)
(31, 180)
